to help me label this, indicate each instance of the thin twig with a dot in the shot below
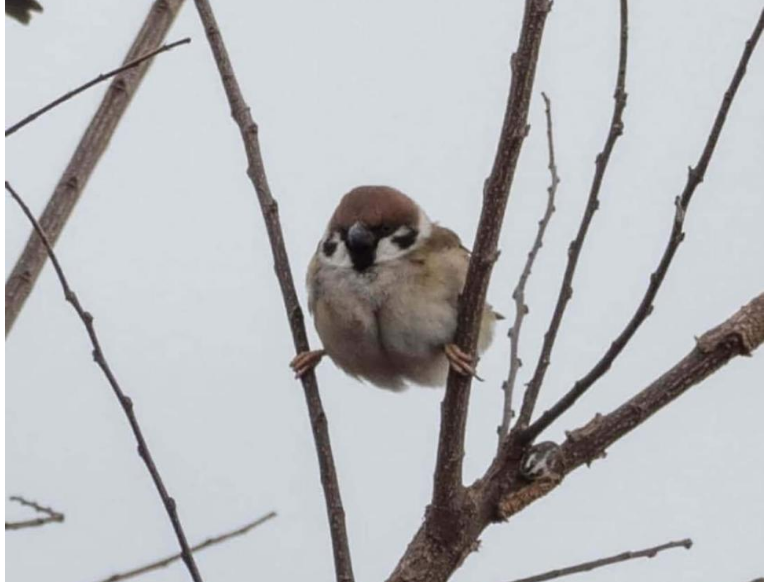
(447, 487)
(87, 154)
(644, 309)
(126, 403)
(256, 172)
(615, 130)
(51, 515)
(594, 564)
(99, 79)
(519, 292)
(164, 562)
(434, 554)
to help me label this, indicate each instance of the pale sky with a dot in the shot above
(167, 249)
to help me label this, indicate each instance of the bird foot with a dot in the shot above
(461, 363)
(306, 361)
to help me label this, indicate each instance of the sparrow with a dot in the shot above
(383, 289)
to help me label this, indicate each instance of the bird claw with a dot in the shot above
(461, 363)
(305, 362)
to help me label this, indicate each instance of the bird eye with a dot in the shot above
(406, 240)
(383, 230)
(328, 248)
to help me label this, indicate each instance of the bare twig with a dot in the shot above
(574, 252)
(85, 157)
(739, 335)
(447, 488)
(594, 564)
(644, 309)
(256, 172)
(503, 491)
(518, 293)
(164, 562)
(126, 403)
(99, 79)
(51, 515)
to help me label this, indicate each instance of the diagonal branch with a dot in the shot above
(90, 149)
(447, 490)
(256, 172)
(51, 515)
(519, 292)
(644, 309)
(126, 403)
(739, 335)
(99, 79)
(164, 562)
(594, 564)
(574, 252)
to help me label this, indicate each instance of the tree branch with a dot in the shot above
(447, 491)
(164, 562)
(594, 564)
(99, 79)
(85, 157)
(644, 309)
(256, 171)
(574, 252)
(518, 293)
(51, 515)
(126, 403)
(740, 335)
(503, 491)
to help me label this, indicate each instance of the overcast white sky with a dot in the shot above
(167, 248)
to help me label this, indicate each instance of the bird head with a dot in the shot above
(373, 225)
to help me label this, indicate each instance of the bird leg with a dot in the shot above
(306, 361)
(461, 362)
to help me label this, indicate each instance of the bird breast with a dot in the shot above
(387, 324)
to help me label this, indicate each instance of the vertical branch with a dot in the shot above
(88, 152)
(566, 291)
(256, 172)
(126, 403)
(447, 489)
(519, 292)
(646, 305)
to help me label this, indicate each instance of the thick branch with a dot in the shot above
(447, 491)
(518, 294)
(51, 515)
(594, 564)
(644, 309)
(126, 403)
(503, 491)
(740, 335)
(574, 252)
(164, 562)
(256, 172)
(88, 152)
(99, 79)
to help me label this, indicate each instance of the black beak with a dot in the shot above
(360, 238)
(361, 244)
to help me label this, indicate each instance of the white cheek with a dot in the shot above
(340, 258)
(387, 250)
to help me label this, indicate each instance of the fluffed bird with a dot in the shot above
(383, 288)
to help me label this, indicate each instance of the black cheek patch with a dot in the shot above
(405, 240)
(328, 248)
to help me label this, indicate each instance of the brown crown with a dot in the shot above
(375, 206)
